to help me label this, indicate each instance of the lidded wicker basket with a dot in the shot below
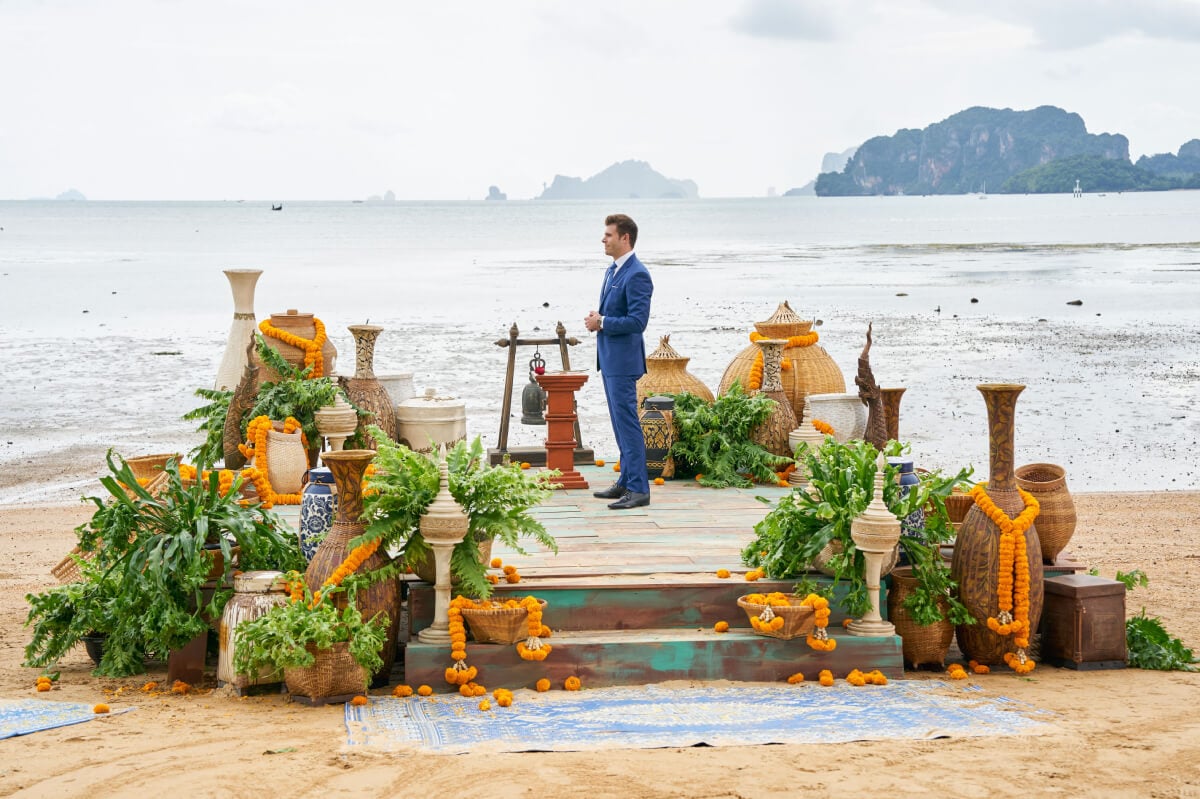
(298, 324)
(812, 370)
(797, 619)
(499, 625)
(666, 373)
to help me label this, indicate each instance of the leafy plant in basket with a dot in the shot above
(497, 501)
(790, 538)
(280, 639)
(712, 440)
(295, 394)
(159, 550)
(212, 424)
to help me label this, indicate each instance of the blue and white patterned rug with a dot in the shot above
(648, 717)
(23, 716)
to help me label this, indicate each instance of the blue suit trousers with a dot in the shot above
(621, 393)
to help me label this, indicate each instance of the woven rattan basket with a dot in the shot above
(821, 561)
(666, 373)
(957, 506)
(810, 370)
(150, 466)
(921, 643)
(797, 619)
(499, 626)
(1057, 519)
(333, 673)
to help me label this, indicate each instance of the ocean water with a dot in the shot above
(111, 314)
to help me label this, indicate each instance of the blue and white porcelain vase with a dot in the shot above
(914, 523)
(318, 504)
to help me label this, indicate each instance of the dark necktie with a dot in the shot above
(608, 276)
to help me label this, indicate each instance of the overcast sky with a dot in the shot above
(173, 99)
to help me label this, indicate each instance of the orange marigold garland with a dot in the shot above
(1012, 585)
(533, 648)
(311, 347)
(819, 639)
(754, 379)
(256, 448)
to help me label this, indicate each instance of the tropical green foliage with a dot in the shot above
(1152, 647)
(150, 561)
(63, 615)
(1094, 173)
(842, 477)
(496, 499)
(212, 424)
(713, 439)
(279, 639)
(294, 394)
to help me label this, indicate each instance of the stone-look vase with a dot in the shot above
(891, 411)
(666, 373)
(772, 434)
(304, 326)
(1056, 520)
(241, 330)
(364, 389)
(336, 422)
(348, 467)
(255, 593)
(658, 430)
(846, 413)
(977, 549)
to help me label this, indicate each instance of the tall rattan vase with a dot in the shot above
(1056, 521)
(977, 548)
(772, 434)
(348, 467)
(364, 389)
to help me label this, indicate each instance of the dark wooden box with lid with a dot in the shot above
(1083, 622)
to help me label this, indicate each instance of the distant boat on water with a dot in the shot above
(278, 207)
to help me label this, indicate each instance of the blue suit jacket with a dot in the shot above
(625, 306)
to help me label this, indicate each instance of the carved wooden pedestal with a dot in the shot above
(560, 425)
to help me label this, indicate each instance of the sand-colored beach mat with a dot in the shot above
(648, 717)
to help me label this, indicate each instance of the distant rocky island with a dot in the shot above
(621, 181)
(1044, 150)
(494, 193)
(72, 195)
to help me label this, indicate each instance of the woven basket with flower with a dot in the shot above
(776, 615)
(495, 622)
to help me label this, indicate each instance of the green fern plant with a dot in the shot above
(712, 440)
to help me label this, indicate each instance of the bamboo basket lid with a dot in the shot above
(784, 323)
(666, 373)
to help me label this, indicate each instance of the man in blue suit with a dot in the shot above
(621, 355)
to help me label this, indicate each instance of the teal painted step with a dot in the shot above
(630, 603)
(638, 657)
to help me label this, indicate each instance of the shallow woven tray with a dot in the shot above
(499, 626)
(797, 619)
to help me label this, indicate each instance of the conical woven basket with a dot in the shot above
(666, 373)
(811, 370)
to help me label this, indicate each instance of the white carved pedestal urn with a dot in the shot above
(443, 525)
(336, 422)
(875, 531)
(808, 434)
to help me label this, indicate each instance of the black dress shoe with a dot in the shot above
(632, 499)
(614, 491)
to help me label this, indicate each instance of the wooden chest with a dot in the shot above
(1083, 622)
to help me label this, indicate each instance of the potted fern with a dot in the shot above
(791, 537)
(497, 501)
(712, 439)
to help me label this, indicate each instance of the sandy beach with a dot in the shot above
(1133, 732)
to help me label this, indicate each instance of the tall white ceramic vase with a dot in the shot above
(233, 363)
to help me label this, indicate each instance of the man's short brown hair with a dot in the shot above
(625, 226)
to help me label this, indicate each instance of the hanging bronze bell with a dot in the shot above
(533, 397)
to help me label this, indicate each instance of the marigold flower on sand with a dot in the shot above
(796, 678)
(100, 708)
(43, 686)
(359, 701)
(826, 677)
(425, 690)
(150, 686)
(572, 684)
(543, 685)
(402, 691)
(180, 687)
(721, 626)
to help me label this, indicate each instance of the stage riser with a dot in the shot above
(639, 659)
(631, 607)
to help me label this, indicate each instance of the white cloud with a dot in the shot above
(786, 19)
